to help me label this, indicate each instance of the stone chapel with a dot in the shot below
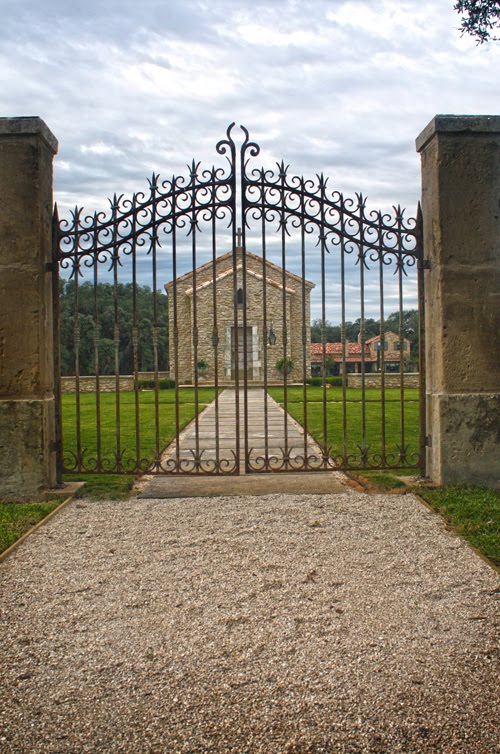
(216, 324)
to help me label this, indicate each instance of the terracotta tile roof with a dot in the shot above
(351, 348)
(353, 352)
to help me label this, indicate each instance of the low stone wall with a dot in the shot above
(107, 383)
(392, 379)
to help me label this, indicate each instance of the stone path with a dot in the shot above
(224, 427)
(226, 430)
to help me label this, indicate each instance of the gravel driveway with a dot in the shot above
(285, 623)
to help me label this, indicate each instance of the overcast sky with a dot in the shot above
(339, 86)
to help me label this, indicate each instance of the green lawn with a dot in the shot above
(315, 394)
(354, 421)
(102, 486)
(146, 445)
(474, 512)
(17, 518)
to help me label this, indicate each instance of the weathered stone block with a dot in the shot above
(26, 458)
(465, 439)
(26, 354)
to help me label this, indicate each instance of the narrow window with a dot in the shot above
(239, 296)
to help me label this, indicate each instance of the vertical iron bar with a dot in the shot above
(76, 340)
(362, 326)
(305, 465)
(195, 321)
(419, 252)
(215, 334)
(265, 334)
(57, 346)
(135, 336)
(116, 333)
(175, 334)
(244, 208)
(96, 345)
(284, 308)
(381, 340)
(323, 318)
(245, 334)
(343, 333)
(233, 344)
(401, 342)
(154, 246)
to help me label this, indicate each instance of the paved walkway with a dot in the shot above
(224, 426)
(305, 624)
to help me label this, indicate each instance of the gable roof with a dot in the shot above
(228, 257)
(377, 337)
(229, 272)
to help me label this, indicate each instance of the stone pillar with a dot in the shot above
(27, 424)
(461, 214)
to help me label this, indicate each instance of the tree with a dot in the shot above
(479, 18)
(102, 299)
(332, 332)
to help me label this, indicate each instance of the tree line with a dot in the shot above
(105, 299)
(104, 296)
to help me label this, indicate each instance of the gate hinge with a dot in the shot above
(428, 441)
(49, 267)
(55, 446)
(426, 264)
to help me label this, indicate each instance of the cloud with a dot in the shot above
(341, 88)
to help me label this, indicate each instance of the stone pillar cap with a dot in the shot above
(459, 124)
(28, 126)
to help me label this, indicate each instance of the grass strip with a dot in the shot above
(473, 512)
(102, 486)
(18, 518)
(381, 481)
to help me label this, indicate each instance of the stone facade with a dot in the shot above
(197, 292)
(27, 405)
(392, 351)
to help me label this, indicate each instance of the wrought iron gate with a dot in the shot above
(215, 377)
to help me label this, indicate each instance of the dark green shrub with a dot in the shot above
(166, 384)
(284, 366)
(334, 381)
(162, 384)
(315, 381)
(146, 384)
